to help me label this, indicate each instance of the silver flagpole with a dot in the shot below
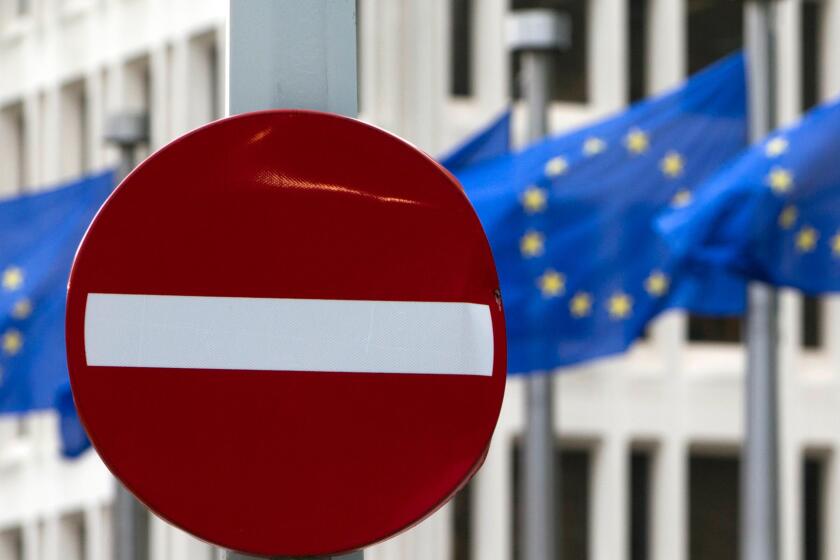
(534, 33)
(759, 471)
(288, 54)
(127, 131)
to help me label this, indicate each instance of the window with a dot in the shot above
(640, 504)
(461, 35)
(462, 524)
(813, 492)
(571, 496)
(568, 80)
(811, 31)
(713, 516)
(715, 329)
(74, 131)
(811, 322)
(638, 50)
(715, 29)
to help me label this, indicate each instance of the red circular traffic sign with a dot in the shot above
(284, 334)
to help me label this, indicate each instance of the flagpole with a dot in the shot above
(535, 33)
(128, 131)
(288, 54)
(759, 470)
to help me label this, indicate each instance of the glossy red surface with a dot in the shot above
(289, 204)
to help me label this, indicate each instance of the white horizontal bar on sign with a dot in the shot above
(200, 332)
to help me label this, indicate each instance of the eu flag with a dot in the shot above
(491, 141)
(774, 214)
(39, 234)
(570, 220)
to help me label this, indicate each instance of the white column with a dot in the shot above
(33, 129)
(608, 531)
(670, 498)
(159, 102)
(188, 81)
(789, 53)
(830, 49)
(424, 38)
(491, 59)
(667, 40)
(832, 504)
(94, 541)
(95, 89)
(492, 502)
(607, 46)
(50, 134)
(790, 499)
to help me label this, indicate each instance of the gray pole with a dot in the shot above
(534, 33)
(288, 54)
(759, 471)
(127, 131)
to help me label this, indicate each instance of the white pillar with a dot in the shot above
(491, 60)
(607, 61)
(670, 498)
(667, 37)
(492, 501)
(608, 529)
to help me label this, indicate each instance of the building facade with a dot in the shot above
(648, 441)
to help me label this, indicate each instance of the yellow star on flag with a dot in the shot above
(657, 284)
(776, 146)
(12, 342)
(636, 141)
(672, 165)
(556, 166)
(593, 146)
(835, 244)
(12, 278)
(552, 283)
(780, 180)
(22, 309)
(681, 198)
(532, 244)
(787, 217)
(580, 305)
(534, 199)
(620, 306)
(806, 239)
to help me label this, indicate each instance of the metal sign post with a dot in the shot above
(127, 131)
(287, 54)
(534, 33)
(759, 474)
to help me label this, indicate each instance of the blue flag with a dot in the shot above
(774, 214)
(490, 142)
(39, 235)
(570, 220)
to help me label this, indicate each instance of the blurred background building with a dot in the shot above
(648, 442)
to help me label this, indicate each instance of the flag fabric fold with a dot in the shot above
(570, 220)
(39, 234)
(491, 141)
(774, 213)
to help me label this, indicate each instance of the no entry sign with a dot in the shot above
(284, 334)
